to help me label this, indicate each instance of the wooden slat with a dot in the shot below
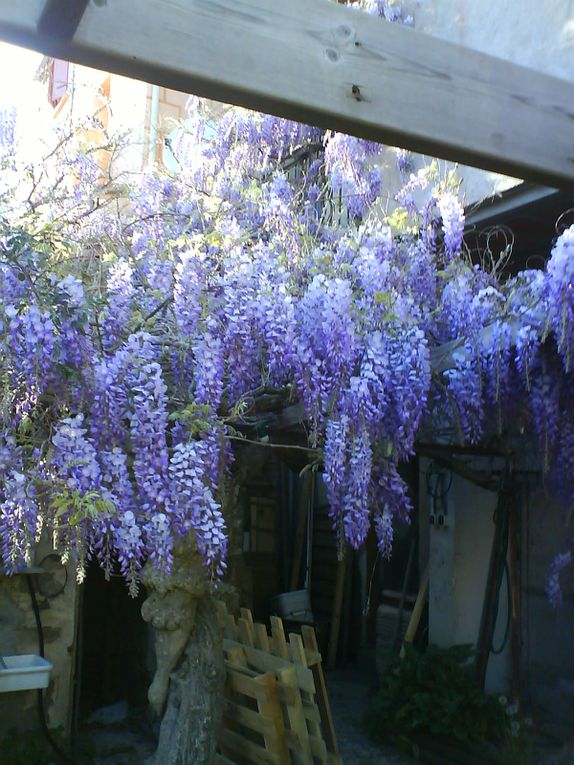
(325, 64)
(236, 656)
(261, 637)
(220, 759)
(247, 615)
(311, 713)
(270, 708)
(245, 628)
(243, 746)
(265, 662)
(316, 745)
(247, 717)
(248, 686)
(225, 620)
(298, 655)
(310, 643)
(278, 641)
(295, 715)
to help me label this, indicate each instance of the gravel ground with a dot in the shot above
(130, 741)
(126, 743)
(349, 692)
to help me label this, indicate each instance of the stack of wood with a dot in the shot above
(276, 704)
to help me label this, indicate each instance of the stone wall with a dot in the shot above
(18, 635)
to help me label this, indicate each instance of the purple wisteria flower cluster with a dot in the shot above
(131, 346)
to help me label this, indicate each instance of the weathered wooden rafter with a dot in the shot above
(61, 18)
(322, 63)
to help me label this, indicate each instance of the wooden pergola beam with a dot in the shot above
(319, 62)
(61, 18)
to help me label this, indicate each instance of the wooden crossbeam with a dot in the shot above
(319, 62)
(61, 18)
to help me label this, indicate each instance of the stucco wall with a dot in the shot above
(458, 557)
(547, 633)
(527, 32)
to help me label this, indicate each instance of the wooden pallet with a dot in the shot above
(276, 709)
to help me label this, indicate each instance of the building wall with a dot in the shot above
(539, 36)
(458, 556)
(534, 34)
(458, 559)
(547, 633)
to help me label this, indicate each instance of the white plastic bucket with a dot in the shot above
(24, 672)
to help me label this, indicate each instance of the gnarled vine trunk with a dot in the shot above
(187, 688)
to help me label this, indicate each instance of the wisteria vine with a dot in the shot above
(129, 353)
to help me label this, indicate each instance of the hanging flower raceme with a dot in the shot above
(30, 348)
(131, 346)
(20, 518)
(553, 590)
(325, 345)
(452, 216)
(560, 296)
(194, 474)
(148, 420)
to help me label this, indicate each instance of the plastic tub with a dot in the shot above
(293, 605)
(24, 672)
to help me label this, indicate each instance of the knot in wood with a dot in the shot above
(344, 33)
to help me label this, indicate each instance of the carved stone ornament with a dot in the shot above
(187, 689)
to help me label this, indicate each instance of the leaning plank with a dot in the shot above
(325, 64)
(310, 643)
(302, 517)
(417, 612)
(337, 610)
(310, 710)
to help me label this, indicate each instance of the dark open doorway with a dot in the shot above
(115, 662)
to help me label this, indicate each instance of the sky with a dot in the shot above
(18, 67)
(20, 89)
